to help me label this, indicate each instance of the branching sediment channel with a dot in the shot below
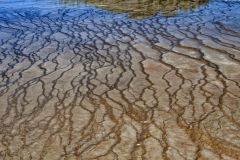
(87, 84)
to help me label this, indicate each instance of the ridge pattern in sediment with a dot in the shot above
(73, 86)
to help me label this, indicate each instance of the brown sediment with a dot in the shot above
(138, 9)
(73, 86)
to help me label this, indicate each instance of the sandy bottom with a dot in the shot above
(90, 85)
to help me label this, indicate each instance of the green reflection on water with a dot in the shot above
(142, 8)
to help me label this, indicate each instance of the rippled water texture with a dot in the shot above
(107, 80)
(142, 8)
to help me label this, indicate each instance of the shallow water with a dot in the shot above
(89, 81)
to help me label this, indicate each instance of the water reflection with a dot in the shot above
(142, 8)
(82, 83)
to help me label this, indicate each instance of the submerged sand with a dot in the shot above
(87, 84)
